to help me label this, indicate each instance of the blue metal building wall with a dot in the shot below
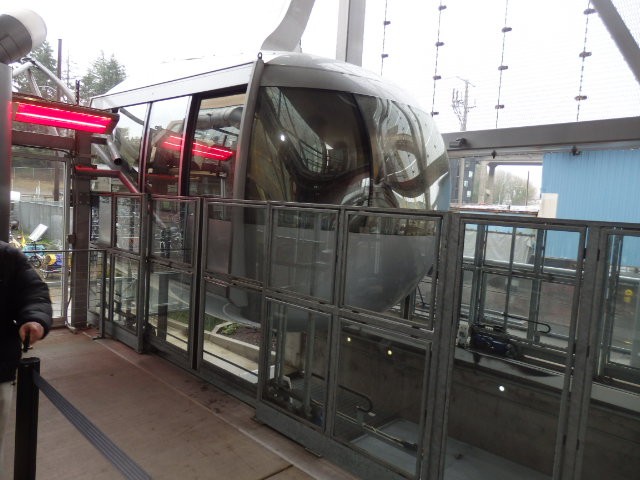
(595, 185)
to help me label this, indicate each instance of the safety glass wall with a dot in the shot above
(39, 219)
(520, 286)
(231, 301)
(116, 231)
(350, 313)
(173, 235)
(341, 323)
(616, 380)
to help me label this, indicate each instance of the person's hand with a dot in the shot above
(36, 332)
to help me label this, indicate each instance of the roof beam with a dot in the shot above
(620, 34)
(609, 133)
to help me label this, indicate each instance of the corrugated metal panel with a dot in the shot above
(595, 185)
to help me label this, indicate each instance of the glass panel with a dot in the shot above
(621, 326)
(127, 138)
(561, 251)
(495, 297)
(125, 293)
(97, 277)
(172, 228)
(500, 427)
(164, 144)
(613, 429)
(232, 330)
(303, 252)
(128, 223)
(214, 145)
(379, 395)
(169, 317)
(465, 299)
(498, 245)
(297, 380)
(308, 146)
(101, 220)
(556, 304)
(238, 229)
(470, 235)
(386, 259)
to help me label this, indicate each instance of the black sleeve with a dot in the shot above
(33, 302)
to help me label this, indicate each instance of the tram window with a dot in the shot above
(127, 137)
(164, 143)
(408, 154)
(214, 145)
(307, 146)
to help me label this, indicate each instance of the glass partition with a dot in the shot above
(391, 262)
(297, 374)
(101, 219)
(173, 225)
(613, 425)
(124, 309)
(235, 240)
(303, 251)
(97, 307)
(170, 300)
(519, 290)
(380, 394)
(232, 330)
(620, 325)
(128, 223)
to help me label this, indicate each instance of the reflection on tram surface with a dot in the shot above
(290, 128)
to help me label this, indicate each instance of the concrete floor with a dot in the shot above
(174, 425)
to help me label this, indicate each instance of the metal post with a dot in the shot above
(5, 150)
(26, 440)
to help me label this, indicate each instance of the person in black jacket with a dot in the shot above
(25, 312)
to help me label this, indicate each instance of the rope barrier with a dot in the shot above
(120, 460)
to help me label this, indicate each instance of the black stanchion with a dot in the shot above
(27, 397)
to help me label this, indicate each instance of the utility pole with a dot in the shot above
(461, 105)
(461, 109)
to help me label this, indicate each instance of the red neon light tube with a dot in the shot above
(58, 117)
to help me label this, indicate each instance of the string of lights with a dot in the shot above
(505, 29)
(581, 97)
(439, 43)
(385, 24)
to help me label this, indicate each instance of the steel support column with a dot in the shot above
(350, 31)
(5, 150)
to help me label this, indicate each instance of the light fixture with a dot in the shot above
(501, 388)
(62, 115)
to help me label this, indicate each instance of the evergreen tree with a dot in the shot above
(103, 75)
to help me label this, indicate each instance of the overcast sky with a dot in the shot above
(544, 70)
(544, 74)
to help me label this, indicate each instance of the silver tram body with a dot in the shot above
(289, 128)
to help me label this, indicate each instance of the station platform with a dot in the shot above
(174, 425)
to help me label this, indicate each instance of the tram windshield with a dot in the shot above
(331, 147)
